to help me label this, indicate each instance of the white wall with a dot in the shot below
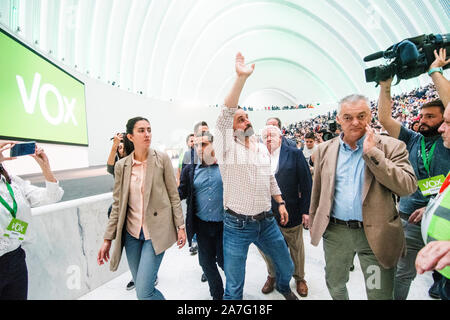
(62, 253)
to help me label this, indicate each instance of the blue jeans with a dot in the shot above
(144, 265)
(265, 234)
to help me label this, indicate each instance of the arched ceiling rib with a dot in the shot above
(184, 49)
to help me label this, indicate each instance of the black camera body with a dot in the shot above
(411, 58)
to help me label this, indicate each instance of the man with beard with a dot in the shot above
(431, 162)
(248, 186)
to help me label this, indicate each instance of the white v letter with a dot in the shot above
(29, 103)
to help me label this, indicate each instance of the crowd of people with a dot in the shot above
(405, 110)
(275, 107)
(244, 189)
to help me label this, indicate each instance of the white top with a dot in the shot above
(274, 160)
(248, 183)
(27, 196)
(308, 152)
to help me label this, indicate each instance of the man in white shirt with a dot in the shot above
(310, 146)
(294, 180)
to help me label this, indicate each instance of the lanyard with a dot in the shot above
(13, 211)
(427, 157)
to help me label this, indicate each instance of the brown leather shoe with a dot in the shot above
(269, 286)
(302, 288)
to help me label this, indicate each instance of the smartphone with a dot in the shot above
(23, 149)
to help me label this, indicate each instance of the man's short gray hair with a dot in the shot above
(271, 127)
(353, 98)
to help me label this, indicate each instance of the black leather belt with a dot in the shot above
(352, 224)
(257, 217)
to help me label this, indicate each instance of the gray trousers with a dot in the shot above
(340, 244)
(406, 268)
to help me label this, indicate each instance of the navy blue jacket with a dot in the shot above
(186, 191)
(289, 142)
(295, 182)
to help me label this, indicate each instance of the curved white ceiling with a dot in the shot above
(305, 51)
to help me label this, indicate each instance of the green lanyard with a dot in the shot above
(427, 157)
(13, 211)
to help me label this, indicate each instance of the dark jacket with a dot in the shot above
(186, 191)
(295, 182)
(289, 142)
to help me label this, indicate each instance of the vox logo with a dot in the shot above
(433, 183)
(65, 107)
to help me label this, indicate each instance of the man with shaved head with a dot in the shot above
(352, 207)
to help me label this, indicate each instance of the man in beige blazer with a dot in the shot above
(352, 202)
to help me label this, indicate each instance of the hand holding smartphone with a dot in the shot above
(23, 149)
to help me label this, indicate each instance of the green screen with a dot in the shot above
(38, 100)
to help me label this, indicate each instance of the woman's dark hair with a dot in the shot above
(4, 173)
(412, 125)
(132, 122)
(436, 103)
(127, 145)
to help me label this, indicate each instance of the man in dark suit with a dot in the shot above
(277, 123)
(294, 180)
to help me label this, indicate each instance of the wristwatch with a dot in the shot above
(281, 203)
(440, 70)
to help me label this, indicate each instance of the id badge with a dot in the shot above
(431, 185)
(16, 230)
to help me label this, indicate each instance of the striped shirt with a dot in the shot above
(248, 182)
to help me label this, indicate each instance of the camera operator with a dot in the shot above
(117, 152)
(17, 197)
(430, 160)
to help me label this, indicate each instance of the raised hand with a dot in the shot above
(41, 157)
(369, 142)
(42, 160)
(440, 59)
(386, 83)
(243, 70)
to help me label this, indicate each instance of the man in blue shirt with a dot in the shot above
(431, 162)
(352, 207)
(201, 184)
